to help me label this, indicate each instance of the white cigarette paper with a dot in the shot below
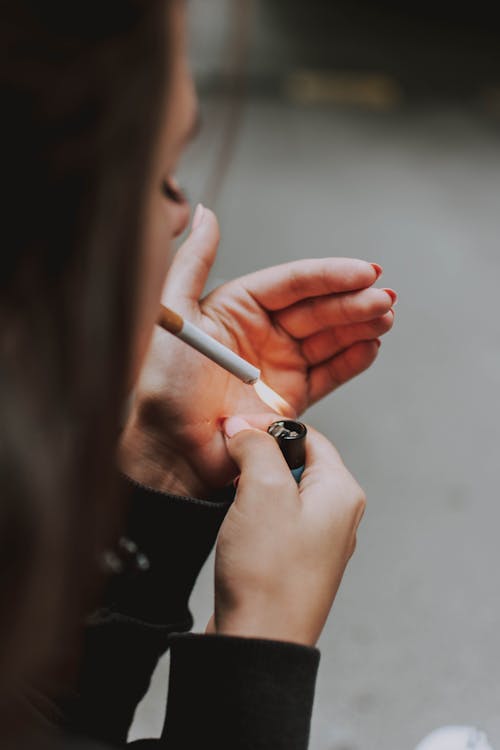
(218, 353)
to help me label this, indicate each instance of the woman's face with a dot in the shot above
(167, 211)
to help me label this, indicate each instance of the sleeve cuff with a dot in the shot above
(233, 693)
(174, 535)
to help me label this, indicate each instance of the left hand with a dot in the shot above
(309, 325)
(281, 586)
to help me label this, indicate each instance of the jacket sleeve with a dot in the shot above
(142, 607)
(239, 694)
(224, 692)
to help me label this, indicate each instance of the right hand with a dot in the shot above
(283, 548)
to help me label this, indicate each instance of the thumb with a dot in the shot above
(189, 271)
(210, 629)
(258, 457)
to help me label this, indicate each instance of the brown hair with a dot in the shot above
(82, 85)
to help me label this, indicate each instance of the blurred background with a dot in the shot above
(371, 129)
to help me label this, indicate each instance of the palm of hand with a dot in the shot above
(193, 394)
(308, 325)
(233, 316)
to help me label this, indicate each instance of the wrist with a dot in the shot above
(269, 627)
(151, 462)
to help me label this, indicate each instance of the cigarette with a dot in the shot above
(174, 323)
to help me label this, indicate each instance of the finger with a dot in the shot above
(321, 453)
(190, 268)
(261, 421)
(326, 344)
(313, 315)
(263, 470)
(327, 481)
(210, 629)
(321, 449)
(327, 376)
(280, 286)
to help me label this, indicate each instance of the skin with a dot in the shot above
(310, 326)
(282, 585)
(164, 219)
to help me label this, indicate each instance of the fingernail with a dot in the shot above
(378, 269)
(393, 295)
(198, 216)
(233, 425)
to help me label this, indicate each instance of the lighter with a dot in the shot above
(291, 438)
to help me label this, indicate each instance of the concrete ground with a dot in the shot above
(413, 640)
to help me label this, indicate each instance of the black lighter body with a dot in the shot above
(291, 438)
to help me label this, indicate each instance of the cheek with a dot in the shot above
(155, 259)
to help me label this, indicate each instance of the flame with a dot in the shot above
(272, 399)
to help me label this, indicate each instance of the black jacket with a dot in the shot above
(224, 693)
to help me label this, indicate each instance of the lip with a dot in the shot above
(181, 214)
(179, 207)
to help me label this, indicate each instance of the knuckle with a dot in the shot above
(361, 510)
(355, 498)
(274, 482)
(389, 320)
(361, 499)
(316, 313)
(344, 301)
(309, 350)
(382, 324)
(359, 502)
(352, 547)
(251, 439)
(295, 279)
(334, 373)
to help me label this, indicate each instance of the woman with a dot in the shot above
(99, 104)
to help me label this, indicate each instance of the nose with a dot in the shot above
(181, 213)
